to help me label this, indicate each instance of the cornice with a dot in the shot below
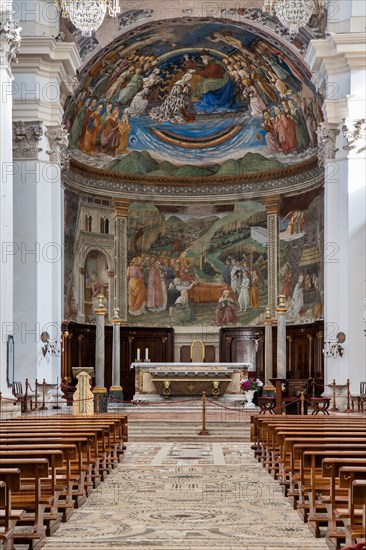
(46, 47)
(208, 190)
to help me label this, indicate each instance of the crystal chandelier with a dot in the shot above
(293, 14)
(87, 15)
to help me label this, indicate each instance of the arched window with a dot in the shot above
(90, 223)
(106, 226)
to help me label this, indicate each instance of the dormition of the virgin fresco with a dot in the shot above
(193, 98)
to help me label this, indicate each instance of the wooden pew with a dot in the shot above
(356, 528)
(341, 478)
(32, 472)
(10, 480)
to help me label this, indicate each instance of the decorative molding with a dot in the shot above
(355, 133)
(272, 252)
(121, 245)
(9, 42)
(26, 138)
(86, 181)
(58, 139)
(327, 137)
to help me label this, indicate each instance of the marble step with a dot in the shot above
(186, 431)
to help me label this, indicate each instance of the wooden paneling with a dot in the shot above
(79, 350)
(304, 349)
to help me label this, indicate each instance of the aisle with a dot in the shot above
(186, 496)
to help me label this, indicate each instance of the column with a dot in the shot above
(121, 247)
(81, 312)
(281, 336)
(338, 65)
(100, 392)
(99, 343)
(9, 47)
(268, 348)
(115, 391)
(272, 207)
(44, 77)
(111, 294)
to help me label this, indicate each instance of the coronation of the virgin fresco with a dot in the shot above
(194, 98)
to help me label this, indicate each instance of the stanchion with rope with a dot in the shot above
(302, 407)
(43, 408)
(334, 405)
(348, 409)
(36, 395)
(204, 430)
(313, 386)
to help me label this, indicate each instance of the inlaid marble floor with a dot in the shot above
(186, 496)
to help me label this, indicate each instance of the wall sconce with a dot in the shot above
(334, 348)
(50, 347)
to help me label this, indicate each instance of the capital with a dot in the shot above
(355, 133)
(58, 139)
(26, 139)
(327, 137)
(9, 42)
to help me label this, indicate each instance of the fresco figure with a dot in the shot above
(136, 288)
(271, 136)
(109, 138)
(177, 107)
(254, 289)
(131, 88)
(89, 142)
(154, 287)
(226, 272)
(297, 304)
(236, 277)
(215, 89)
(286, 287)
(225, 311)
(124, 129)
(139, 103)
(183, 313)
(244, 298)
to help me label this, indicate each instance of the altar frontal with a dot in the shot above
(166, 380)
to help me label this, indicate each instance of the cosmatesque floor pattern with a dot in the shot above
(186, 496)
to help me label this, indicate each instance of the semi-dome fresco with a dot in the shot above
(194, 98)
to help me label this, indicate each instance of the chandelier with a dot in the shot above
(293, 14)
(87, 15)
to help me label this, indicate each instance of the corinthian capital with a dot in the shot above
(58, 139)
(355, 133)
(9, 42)
(26, 138)
(327, 136)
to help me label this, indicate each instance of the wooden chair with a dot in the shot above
(23, 398)
(197, 351)
(359, 399)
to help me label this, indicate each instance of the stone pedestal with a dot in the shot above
(100, 400)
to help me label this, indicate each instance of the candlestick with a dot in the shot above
(146, 354)
(138, 356)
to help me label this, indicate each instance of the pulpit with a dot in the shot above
(166, 380)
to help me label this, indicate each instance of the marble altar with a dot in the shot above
(157, 381)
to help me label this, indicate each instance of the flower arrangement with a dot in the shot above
(250, 384)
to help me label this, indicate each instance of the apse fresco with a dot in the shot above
(193, 98)
(301, 260)
(190, 266)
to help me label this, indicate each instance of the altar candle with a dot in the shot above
(146, 354)
(138, 358)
